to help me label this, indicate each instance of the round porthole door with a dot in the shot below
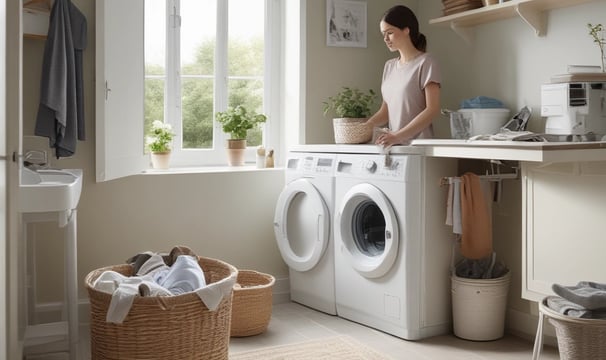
(301, 225)
(367, 227)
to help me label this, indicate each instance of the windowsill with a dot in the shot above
(208, 170)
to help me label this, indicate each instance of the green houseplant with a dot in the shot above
(597, 33)
(159, 144)
(236, 122)
(351, 103)
(352, 108)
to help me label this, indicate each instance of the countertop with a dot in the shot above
(515, 150)
(478, 149)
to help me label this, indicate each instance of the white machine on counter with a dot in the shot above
(574, 108)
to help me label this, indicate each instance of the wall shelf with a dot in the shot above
(531, 11)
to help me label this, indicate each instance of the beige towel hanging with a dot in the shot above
(476, 241)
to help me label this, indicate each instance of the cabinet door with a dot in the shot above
(564, 214)
(120, 92)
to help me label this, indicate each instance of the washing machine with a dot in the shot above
(392, 247)
(303, 228)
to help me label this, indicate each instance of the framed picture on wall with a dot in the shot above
(346, 23)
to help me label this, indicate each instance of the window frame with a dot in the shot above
(173, 115)
(119, 106)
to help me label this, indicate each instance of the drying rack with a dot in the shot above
(494, 175)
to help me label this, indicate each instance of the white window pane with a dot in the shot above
(155, 36)
(246, 58)
(198, 43)
(155, 61)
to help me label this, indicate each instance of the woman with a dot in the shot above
(411, 82)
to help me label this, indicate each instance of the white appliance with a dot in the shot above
(392, 248)
(303, 228)
(574, 108)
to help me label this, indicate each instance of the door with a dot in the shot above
(302, 225)
(367, 227)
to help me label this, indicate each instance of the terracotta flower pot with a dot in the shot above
(235, 151)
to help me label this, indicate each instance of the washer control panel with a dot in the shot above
(393, 167)
(311, 163)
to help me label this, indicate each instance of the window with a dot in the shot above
(202, 56)
(181, 61)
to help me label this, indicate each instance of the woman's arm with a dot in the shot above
(420, 122)
(380, 117)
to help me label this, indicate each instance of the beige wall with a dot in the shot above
(330, 68)
(229, 215)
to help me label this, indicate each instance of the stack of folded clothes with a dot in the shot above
(457, 6)
(585, 300)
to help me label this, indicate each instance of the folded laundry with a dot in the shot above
(507, 135)
(566, 307)
(589, 295)
(482, 102)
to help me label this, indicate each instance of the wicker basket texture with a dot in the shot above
(169, 327)
(252, 303)
(351, 131)
(578, 339)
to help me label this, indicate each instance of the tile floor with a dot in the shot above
(293, 323)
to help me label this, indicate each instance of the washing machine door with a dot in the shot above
(302, 225)
(367, 227)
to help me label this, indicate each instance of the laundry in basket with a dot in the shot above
(165, 327)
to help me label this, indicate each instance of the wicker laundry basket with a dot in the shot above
(351, 131)
(252, 302)
(578, 339)
(167, 327)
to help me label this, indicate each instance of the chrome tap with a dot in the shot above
(35, 158)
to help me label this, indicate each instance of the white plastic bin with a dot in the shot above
(479, 307)
(478, 122)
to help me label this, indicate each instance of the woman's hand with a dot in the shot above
(388, 139)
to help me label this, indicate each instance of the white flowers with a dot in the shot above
(160, 138)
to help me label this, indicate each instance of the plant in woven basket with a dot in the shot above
(597, 33)
(351, 103)
(352, 107)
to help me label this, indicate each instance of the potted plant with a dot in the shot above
(236, 122)
(159, 144)
(352, 107)
(597, 33)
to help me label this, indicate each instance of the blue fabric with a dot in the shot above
(481, 102)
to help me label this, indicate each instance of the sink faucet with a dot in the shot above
(35, 158)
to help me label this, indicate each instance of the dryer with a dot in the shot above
(303, 228)
(392, 248)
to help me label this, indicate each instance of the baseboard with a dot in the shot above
(52, 311)
(524, 325)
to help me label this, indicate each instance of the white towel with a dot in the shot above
(457, 226)
(449, 204)
(123, 290)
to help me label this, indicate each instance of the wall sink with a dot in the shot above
(49, 190)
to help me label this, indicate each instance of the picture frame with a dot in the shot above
(346, 23)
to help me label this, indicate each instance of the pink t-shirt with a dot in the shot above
(403, 90)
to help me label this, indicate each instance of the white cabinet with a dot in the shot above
(564, 229)
(36, 16)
